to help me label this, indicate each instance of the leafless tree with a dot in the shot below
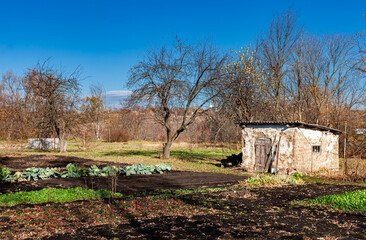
(15, 108)
(94, 110)
(181, 75)
(274, 51)
(244, 97)
(328, 81)
(55, 93)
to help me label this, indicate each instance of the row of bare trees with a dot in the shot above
(46, 102)
(140, 124)
(288, 75)
(293, 75)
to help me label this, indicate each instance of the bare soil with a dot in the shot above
(257, 213)
(125, 184)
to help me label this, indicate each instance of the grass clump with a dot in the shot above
(269, 179)
(54, 195)
(349, 201)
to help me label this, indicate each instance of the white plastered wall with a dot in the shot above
(295, 148)
(308, 161)
(273, 132)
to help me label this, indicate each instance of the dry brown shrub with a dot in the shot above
(117, 135)
(355, 169)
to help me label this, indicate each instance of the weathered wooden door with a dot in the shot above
(262, 148)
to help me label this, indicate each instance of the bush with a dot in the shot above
(118, 135)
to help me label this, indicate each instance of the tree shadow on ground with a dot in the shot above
(186, 155)
(19, 163)
(263, 213)
(131, 184)
(133, 153)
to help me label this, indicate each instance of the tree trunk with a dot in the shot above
(62, 143)
(166, 149)
(97, 132)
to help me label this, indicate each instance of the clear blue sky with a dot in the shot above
(107, 37)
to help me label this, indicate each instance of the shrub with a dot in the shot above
(118, 135)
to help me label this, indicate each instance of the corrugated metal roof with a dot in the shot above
(291, 124)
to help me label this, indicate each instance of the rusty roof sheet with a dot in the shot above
(291, 124)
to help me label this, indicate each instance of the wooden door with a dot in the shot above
(262, 148)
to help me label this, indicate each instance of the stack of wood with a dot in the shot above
(231, 161)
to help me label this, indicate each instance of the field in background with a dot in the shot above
(184, 156)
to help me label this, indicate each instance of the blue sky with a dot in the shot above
(105, 38)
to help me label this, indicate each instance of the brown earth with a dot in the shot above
(261, 213)
(257, 213)
(125, 184)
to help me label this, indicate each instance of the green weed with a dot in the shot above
(266, 179)
(53, 195)
(349, 201)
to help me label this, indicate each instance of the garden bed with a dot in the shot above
(125, 184)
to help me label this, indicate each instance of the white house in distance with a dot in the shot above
(289, 146)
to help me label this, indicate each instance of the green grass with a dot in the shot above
(53, 195)
(268, 179)
(129, 153)
(184, 156)
(349, 201)
(184, 191)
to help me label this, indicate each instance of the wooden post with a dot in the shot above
(345, 148)
(84, 142)
(109, 134)
(270, 156)
(278, 154)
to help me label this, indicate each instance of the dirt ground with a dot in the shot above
(262, 213)
(256, 213)
(125, 184)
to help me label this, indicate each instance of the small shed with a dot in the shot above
(289, 146)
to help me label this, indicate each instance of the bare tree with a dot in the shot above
(93, 107)
(55, 93)
(180, 76)
(244, 97)
(331, 81)
(16, 107)
(274, 51)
